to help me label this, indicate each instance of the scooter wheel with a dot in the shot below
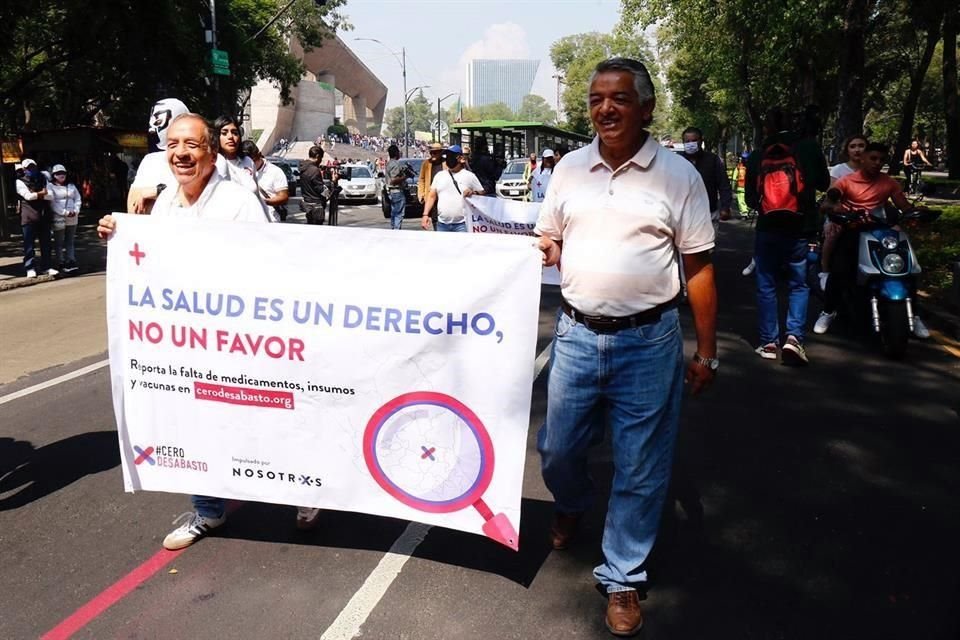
(894, 328)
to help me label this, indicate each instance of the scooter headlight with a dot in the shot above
(890, 242)
(893, 263)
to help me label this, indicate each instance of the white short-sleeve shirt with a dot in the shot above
(221, 200)
(449, 199)
(154, 169)
(623, 228)
(838, 171)
(272, 180)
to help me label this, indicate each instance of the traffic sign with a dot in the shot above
(220, 62)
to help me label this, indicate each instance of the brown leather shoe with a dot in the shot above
(563, 529)
(624, 617)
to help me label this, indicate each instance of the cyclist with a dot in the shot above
(913, 162)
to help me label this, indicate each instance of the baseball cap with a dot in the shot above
(27, 162)
(58, 168)
(548, 153)
(455, 148)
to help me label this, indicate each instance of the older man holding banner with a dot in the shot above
(355, 393)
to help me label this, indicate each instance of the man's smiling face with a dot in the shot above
(188, 151)
(616, 111)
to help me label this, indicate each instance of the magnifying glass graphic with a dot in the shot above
(432, 453)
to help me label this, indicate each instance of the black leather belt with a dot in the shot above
(610, 323)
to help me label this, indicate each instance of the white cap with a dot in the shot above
(27, 162)
(548, 153)
(58, 168)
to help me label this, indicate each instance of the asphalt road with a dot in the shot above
(829, 500)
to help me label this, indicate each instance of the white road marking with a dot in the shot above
(53, 382)
(364, 601)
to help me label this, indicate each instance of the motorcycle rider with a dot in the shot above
(867, 189)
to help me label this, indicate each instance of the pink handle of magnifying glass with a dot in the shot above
(497, 527)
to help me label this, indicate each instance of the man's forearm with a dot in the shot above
(702, 296)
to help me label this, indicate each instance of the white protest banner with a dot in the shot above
(361, 370)
(510, 217)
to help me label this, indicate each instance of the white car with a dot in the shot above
(362, 185)
(511, 184)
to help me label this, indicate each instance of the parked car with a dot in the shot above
(511, 184)
(363, 185)
(291, 169)
(414, 206)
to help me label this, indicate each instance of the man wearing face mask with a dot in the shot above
(711, 170)
(154, 174)
(448, 190)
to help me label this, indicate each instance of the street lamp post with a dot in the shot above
(439, 100)
(560, 80)
(403, 67)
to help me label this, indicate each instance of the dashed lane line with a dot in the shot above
(10, 397)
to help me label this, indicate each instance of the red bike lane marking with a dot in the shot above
(118, 590)
(110, 596)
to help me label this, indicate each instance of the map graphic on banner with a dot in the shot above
(499, 216)
(314, 367)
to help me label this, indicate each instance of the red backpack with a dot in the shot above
(780, 180)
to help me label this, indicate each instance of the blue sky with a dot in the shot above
(441, 35)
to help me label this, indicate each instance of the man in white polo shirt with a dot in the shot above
(617, 216)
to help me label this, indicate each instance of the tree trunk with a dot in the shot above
(951, 109)
(852, 61)
(909, 113)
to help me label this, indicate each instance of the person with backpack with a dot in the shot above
(783, 176)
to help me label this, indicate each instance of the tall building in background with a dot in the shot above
(507, 81)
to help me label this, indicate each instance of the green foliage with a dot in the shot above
(535, 109)
(495, 111)
(576, 56)
(938, 248)
(420, 117)
(337, 130)
(76, 62)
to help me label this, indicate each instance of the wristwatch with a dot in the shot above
(710, 363)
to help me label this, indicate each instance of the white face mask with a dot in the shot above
(691, 148)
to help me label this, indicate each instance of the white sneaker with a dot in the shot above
(197, 527)
(307, 518)
(31, 273)
(920, 329)
(52, 272)
(823, 280)
(750, 268)
(823, 322)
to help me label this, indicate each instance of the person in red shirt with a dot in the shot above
(868, 190)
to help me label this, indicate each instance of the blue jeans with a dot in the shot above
(451, 226)
(39, 230)
(638, 375)
(776, 252)
(398, 204)
(208, 506)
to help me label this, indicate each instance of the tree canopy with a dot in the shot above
(76, 62)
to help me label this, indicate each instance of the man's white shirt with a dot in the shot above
(153, 170)
(272, 180)
(221, 200)
(623, 227)
(449, 198)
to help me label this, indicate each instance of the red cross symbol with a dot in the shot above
(136, 254)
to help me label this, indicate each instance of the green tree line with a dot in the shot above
(884, 67)
(83, 62)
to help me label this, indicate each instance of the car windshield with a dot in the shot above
(360, 172)
(517, 166)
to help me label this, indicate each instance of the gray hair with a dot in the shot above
(642, 83)
(212, 137)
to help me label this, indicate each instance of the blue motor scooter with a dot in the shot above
(887, 269)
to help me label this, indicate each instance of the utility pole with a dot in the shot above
(406, 131)
(213, 45)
